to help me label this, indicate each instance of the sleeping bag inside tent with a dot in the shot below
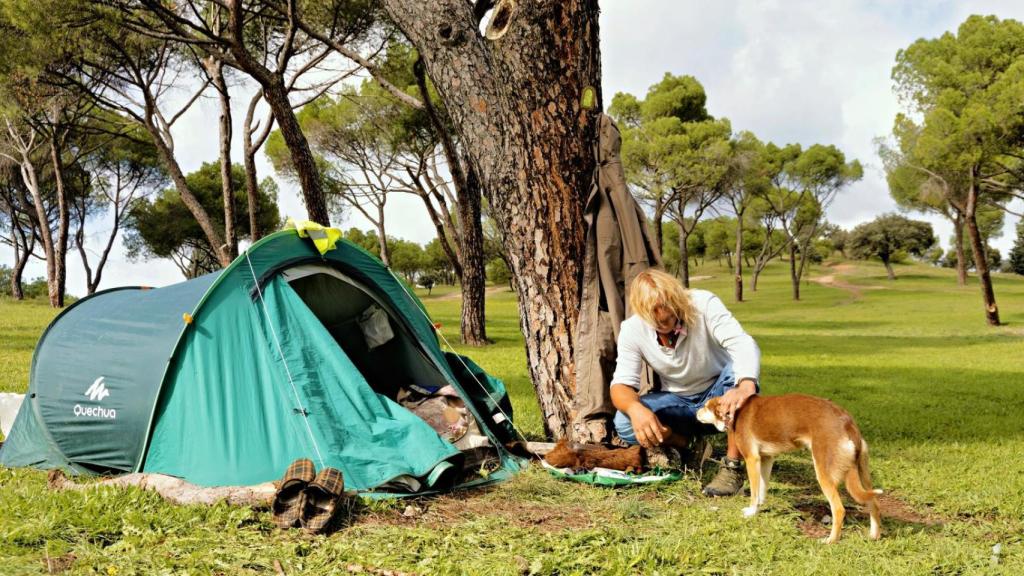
(228, 378)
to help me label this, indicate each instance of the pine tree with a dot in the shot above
(1017, 252)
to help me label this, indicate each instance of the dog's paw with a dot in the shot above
(749, 511)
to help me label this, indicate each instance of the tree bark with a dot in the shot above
(961, 260)
(793, 277)
(382, 239)
(978, 252)
(30, 177)
(738, 281)
(187, 198)
(22, 252)
(215, 68)
(888, 268)
(659, 234)
(525, 106)
(57, 284)
(473, 279)
(684, 256)
(250, 147)
(302, 157)
(470, 264)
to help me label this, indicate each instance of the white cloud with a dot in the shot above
(795, 71)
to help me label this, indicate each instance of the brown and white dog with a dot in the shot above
(769, 425)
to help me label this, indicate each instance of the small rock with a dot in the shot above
(522, 564)
(826, 520)
(412, 511)
(997, 551)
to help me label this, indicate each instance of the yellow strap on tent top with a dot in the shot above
(323, 238)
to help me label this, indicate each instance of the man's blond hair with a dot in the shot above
(653, 289)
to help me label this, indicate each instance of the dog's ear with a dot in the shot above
(722, 415)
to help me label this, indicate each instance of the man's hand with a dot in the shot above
(646, 427)
(735, 397)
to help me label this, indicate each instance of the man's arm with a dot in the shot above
(742, 350)
(648, 430)
(625, 382)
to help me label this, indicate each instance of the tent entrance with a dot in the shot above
(339, 302)
(390, 359)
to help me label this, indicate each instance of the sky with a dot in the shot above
(805, 71)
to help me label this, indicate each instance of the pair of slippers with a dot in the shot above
(306, 498)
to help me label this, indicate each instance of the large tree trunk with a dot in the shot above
(738, 281)
(526, 106)
(473, 280)
(980, 261)
(961, 260)
(302, 157)
(216, 70)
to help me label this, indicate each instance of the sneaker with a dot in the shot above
(728, 481)
(664, 457)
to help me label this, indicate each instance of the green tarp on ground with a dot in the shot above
(226, 379)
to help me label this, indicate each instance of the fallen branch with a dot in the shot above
(176, 490)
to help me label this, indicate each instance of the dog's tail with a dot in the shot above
(858, 479)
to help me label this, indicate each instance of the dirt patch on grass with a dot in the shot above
(447, 511)
(832, 281)
(58, 564)
(813, 515)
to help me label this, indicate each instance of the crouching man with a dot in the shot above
(699, 351)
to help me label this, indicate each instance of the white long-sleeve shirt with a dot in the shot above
(715, 340)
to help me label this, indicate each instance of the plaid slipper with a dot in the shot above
(321, 500)
(290, 497)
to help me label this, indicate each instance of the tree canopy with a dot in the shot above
(888, 236)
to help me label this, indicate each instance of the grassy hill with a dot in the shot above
(937, 393)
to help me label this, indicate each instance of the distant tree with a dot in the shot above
(649, 127)
(407, 258)
(426, 281)
(498, 273)
(120, 172)
(804, 184)
(963, 130)
(748, 177)
(365, 239)
(888, 235)
(1016, 257)
(161, 227)
(719, 234)
(837, 237)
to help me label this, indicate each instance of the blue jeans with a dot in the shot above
(678, 412)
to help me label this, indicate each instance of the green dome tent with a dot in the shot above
(228, 378)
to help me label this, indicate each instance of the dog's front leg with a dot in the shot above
(766, 474)
(753, 462)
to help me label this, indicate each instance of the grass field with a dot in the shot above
(937, 393)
